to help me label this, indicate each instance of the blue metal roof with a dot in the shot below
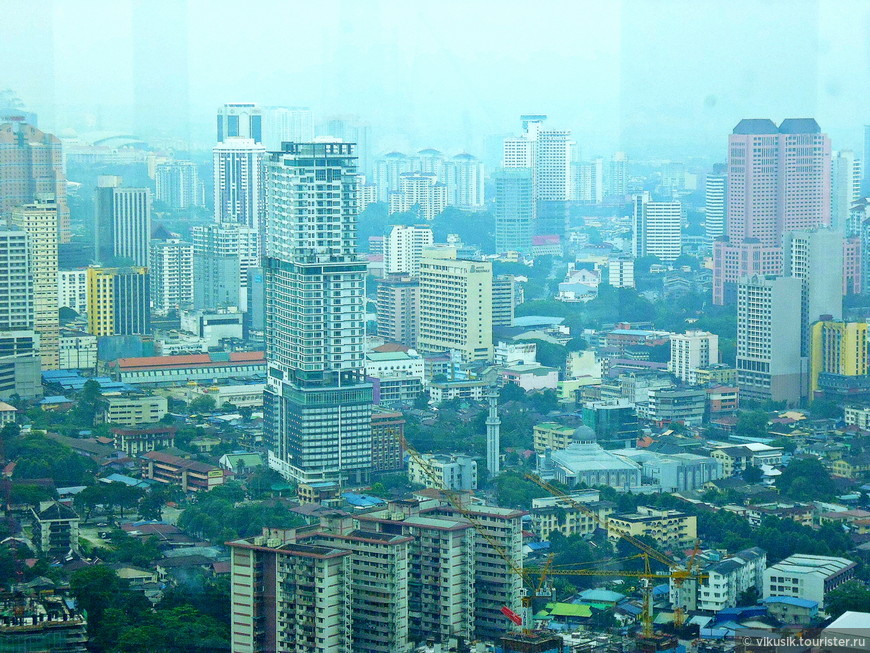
(792, 600)
(361, 500)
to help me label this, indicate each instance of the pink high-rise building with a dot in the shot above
(852, 266)
(779, 181)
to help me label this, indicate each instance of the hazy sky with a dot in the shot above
(665, 78)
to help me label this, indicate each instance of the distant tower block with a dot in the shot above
(493, 435)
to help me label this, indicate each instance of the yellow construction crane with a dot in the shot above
(646, 576)
(535, 590)
(678, 573)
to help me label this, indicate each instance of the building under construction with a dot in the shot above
(532, 642)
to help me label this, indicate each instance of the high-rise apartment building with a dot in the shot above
(388, 171)
(398, 305)
(32, 165)
(845, 187)
(291, 597)
(463, 176)
(238, 181)
(39, 221)
(553, 165)
(222, 254)
(420, 192)
(122, 223)
(287, 124)
(318, 407)
(588, 181)
(715, 202)
(769, 362)
(616, 177)
(351, 129)
(691, 350)
(816, 258)
(839, 358)
(455, 305)
(171, 275)
(779, 180)
(119, 301)
(514, 210)
(19, 356)
(504, 300)
(403, 249)
(178, 184)
(658, 228)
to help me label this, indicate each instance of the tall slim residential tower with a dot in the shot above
(122, 224)
(588, 181)
(39, 221)
(403, 249)
(119, 301)
(845, 187)
(816, 258)
(616, 177)
(553, 165)
(769, 362)
(514, 210)
(715, 201)
(238, 181)
(779, 180)
(222, 254)
(420, 192)
(171, 275)
(178, 184)
(19, 358)
(658, 228)
(240, 120)
(318, 407)
(464, 178)
(32, 164)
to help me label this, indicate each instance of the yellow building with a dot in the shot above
(39, 220)
(455, 305)
(853, 467)
(118, 301)
(666, 527)
(837, 348)
(551, 514)
(553, 436)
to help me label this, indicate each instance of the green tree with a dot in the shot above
(202, 404)
(825, 409)
(87, 405)
(752, 474)
(752, 424)
(805, 479)
(852, 596)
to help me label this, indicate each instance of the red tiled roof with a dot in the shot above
(190, 360)
(181, 463)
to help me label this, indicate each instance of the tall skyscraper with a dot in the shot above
(388, 171)
(845, 187)
(119, 301)
(553, 165)
(514, 210)
(779, 180)
(39, 221)
(122, 224)
(178, 184)
(222, 254)
(769, 362)
(588, 181)
(240, 120)
(455, 305)
(171, 272)
(816, 258)
(287, 124)
(464, 180)
(403, 249)
(317, 405)
(839, 358)
(658, 228)
(616, 177)
(32, 165)
(691, 350)
(351, 129)
(238, 181)
(19, 357)
(715, 201)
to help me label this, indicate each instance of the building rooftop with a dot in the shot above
(190, 360)
(792, 600)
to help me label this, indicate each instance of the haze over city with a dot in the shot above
(646, 77)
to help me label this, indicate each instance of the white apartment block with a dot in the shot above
(171, 275)
(553, 165)
(72, 290)
(588, 181)
(454, 472)
(620, 272)
(78, 352)
(807, 577)
(421, 192)
(464, 180)
(403, 249)
(658, 228)
(858, 416)
(691, 350)
(727, 580)
(238, 182)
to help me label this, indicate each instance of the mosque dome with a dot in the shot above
(584, 434)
